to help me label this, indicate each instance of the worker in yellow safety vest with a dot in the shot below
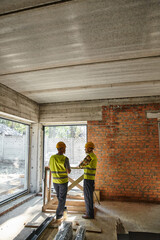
(60, 167)
(89, 165)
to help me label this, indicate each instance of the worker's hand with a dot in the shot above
(68, 170)
(47, 168)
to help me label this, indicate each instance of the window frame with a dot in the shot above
(60, 125)
(27, 190)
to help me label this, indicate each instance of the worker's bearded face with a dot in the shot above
(88, 150)
(61, 150)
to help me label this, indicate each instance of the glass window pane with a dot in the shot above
(14, 145)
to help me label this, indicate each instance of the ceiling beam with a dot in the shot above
(15, 105)
(96, 86)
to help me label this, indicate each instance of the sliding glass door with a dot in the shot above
(14, 146)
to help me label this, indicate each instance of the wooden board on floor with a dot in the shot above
(48, 234)
(91, 225)
(90, 229)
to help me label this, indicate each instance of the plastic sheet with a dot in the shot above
(65, 231)
(80, 233)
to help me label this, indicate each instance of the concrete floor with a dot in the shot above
(134, 217)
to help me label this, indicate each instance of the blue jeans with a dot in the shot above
(61, 192)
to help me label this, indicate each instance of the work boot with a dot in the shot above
(85, 216)
(59, 217)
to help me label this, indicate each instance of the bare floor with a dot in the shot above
(134, 217)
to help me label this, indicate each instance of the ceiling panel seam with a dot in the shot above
(83, 64)
(35, 7)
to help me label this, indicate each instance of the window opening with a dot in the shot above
(75, 137)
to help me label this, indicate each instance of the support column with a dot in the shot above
(36, 157)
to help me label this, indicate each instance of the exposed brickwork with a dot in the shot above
(127, 146)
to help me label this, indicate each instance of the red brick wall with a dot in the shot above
(127, 147)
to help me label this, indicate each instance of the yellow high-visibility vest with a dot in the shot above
(90, 169)
(59, 173)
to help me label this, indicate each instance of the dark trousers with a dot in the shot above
(61, 192)
(88, 196)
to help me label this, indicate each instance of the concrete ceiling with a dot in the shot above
(57, 51)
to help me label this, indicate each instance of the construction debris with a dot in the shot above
(36, 233)
(65, 231)
(81, 233)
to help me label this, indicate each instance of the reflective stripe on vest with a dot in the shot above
(59, 174)
(90, 169)
(90, 174)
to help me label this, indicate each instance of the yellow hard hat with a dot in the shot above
(61, 145)
(89, 145)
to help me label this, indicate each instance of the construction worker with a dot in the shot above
(89, 165)
(60, 167)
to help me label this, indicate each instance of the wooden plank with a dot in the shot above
(76, 209)
(48, 204)
(36, 224)
(53, 211)
(48, 234)
(75, 182)
(75, 203)
(32, 225)
(69, 208)
(90, 229)
(49, 192)
(78, 185)
(96, 196)
(70, 196)
(68, 203)
(75, 197)
(46, 210)
(91, 226)
(45, 187)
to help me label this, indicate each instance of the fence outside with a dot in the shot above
(12, 147)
